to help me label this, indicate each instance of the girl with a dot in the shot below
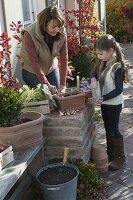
(108, 83)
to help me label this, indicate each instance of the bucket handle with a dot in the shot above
(56, 188)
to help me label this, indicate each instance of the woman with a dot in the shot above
(43, 43)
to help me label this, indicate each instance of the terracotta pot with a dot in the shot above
(25, 135)
(100, 158)
(70, 101)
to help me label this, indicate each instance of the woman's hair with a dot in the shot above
(48, 14)
(105, 42)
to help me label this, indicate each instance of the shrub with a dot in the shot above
(10, 98)
(119, 19)
(82, 64)
(90, 182)
(10, 106)
(83, 27)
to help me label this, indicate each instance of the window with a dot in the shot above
(28, 13)
(52, 2)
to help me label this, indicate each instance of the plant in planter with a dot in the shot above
(10, 98)
(90, 183)
(10, 106)
(21, 130)
(38, 99)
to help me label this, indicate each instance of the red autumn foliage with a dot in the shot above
(82, 27)
(5, 65)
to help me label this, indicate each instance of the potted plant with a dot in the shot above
(90, 184)
(38, 99)
(21, 130)
(59, 180)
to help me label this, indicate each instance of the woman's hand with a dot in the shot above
(42, 78)
(62, 89)
(52, 89)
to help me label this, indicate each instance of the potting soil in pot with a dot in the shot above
(57, 175)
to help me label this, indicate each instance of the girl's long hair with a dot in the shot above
(105, 42)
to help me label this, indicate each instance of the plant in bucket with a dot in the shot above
(59, 180)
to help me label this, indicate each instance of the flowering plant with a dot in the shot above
(10, 97)
(82, 27)
(5, 65)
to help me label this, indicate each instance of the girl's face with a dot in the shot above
(105, 55)
(53, 27)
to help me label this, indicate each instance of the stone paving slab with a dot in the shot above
(128, 53)
(119, 192)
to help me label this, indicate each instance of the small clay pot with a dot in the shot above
(100, 158)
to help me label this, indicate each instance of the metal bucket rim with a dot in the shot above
(55, 165)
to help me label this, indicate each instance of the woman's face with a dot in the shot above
(53, 27)
(105, 55)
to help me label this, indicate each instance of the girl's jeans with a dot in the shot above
(111, 115)
(32, 80)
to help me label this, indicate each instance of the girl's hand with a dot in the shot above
(99, 101)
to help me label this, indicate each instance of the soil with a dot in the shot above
(57, 175)
(19, 121)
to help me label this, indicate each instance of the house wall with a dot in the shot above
(2, 24)
(13, 13)
(103, 14)
(38, 6)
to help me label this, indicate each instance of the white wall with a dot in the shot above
(2, 25)
(13, 13)
(103, 14)
(38, 6)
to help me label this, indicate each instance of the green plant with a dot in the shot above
(32, 94)
(98, 116)
(82, 64)
(83, 27)
(10, 106)
(40, 93)
(10, 98)
(90, 182)
(119, 19)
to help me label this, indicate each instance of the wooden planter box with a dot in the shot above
(70, 101)
(6, 156)
(38, 106)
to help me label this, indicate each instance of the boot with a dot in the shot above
(110, 147)
(119, 157)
